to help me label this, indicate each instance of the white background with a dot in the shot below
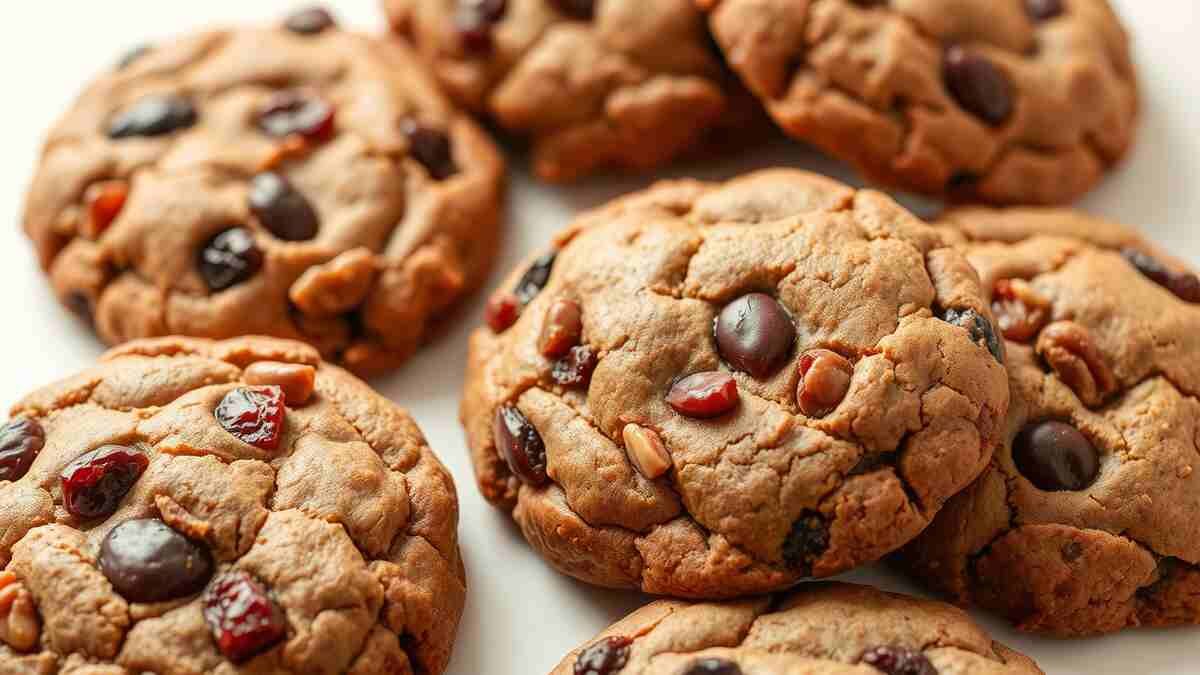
(521, 617)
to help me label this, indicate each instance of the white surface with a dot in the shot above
(521, 617)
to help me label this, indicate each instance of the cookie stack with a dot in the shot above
(713, 392)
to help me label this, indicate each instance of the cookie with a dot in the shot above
(817, 629)
(708, 390)
(296, 181)
(183, 507)
(1086, 520)
(595, 84)
(1003, 101)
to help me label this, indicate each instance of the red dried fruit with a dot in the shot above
(253, 415)
(704, 395)
(604, 657)
(104, 203)
(243, 618)
(95, 483)
(562, 329)
(1185, 285)
(297, 112)
(894, 660)
(21, 440)
(502, 312)
(576, 368)
(520, 444)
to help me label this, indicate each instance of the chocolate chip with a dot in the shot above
(583, 10)
(229, 258)
(1055, 456)
(807, 541)
(147, 561)
(309, 21)
(713, 667)
(430, 147)
(281, 208)
(295, 112)
(133, 54)
(981, 330)
(605, 657)
(755, 334)
(896, 660)
(155, 115)
(1185, 285)
(535, 278)
(21, 439)
(1043, 10)
(704, 395)
(575, 369)
(978, 85)
(474, 20)
(520, 445)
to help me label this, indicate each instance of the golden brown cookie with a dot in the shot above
(189, 506)
(707, 390)
(298, 181)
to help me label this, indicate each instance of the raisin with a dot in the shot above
(253, 415)
(94, 485)
(21, 440)
(807, 541)
(895, 660)
(520, 444)
(605, 657)
(981, 330)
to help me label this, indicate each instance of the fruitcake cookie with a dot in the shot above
(1004, 101)
(817, 629)
(1086, 520)
(296, 181)
(596, 84)
(191, 507)
(708, 390)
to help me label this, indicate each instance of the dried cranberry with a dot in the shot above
(309, 21)
(1055, 456)
(21, 440)
(502, 312)
(281, 208)
(95, 483)
(254, 415)
(535, 278)
(704, 395)
(154, 115)
(1043, 10)
(131, 55)
(583, 10)
(604, 657)
(474, 20)
(520, 445)
(713, 667)
(895, 660)
(978, 85)
(430, 147)
(297, 112)
(978, 327)
(104, 203)
(576, 368)
(243, 618)
(755, 334)
(1185, 285)
(229, 258)
(807, 541)
(147, 561)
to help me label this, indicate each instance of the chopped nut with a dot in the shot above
(20, 626)
(1069, 349)
(1020, 311)
(337, 286)
(502, 312)
(295, 379)
(824, 381)
(562, 330)
(646, 451)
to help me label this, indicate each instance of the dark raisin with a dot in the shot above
(147, 561)
(154, 115)
(295, 112)
(1056, 456)
(474, 20)
(755, 334)
(309, 21)
(520, 444)
(583, 10)
(535, 278)
(895, 660)
(704, 395)
(430, 147)
(713, 667)
(281, 208)
(243, 618)
(21, 439)
(131, 55)
(1185, 285)
(807, 541)
(575, 369)
(95, 483)
(978, 85)
(229, 258)
(1043, 10)
(605, 657)
(253, 415)
(980, 329)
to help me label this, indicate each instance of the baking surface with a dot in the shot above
(521, 616)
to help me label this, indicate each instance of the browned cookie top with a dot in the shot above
(1006, 101)
(1086, 521)
(818, 629)
(297, 181)
(705, 390)
(597, 84)
(190, 507)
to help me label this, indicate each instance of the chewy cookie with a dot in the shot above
(818, 629)
(186, 507)
(706, 390)
(297, 181)
(1004, 101)
(1085, 522)
(596, 84)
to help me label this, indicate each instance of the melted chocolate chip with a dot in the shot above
(981, 330)
(155, 115)
(1055, 457)
(713, 667)
(21, 439)
(310, 21)
(978, 85)
(229, 258)
(535, 278)
(147, 561)
(430, 147)
(281, 208)
(520, 444)
(807, 541)
(895, 660)
(755, 334)
(605, 657)
(1185, 285)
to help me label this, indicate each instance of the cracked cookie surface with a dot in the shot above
(595, 84)
(298, 181)
(817, 629)
(1001, 101)
(334, 552)
(632, 453)
(1085, 522)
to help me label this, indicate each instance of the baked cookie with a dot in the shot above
(709, 390)
(296, 181)
(1086, 520)
(817, 629)
(1004, 101)
(183, 507)
(596, 84)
